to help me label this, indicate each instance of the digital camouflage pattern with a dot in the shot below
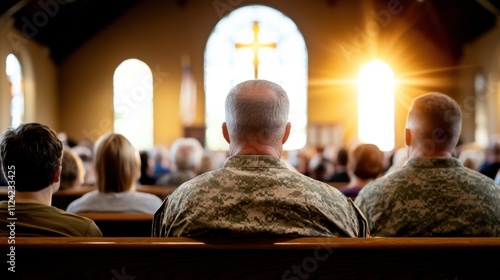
(432, 197)
(254, 195)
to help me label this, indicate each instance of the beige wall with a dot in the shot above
(39, 79)
(79, 100)
(481, 56)
(160, 32)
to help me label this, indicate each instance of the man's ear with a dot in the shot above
(407, 137)
(287, 132)
(57, 175)
(225, 132)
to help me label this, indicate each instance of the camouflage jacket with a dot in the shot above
(432, 197)
(257, 196)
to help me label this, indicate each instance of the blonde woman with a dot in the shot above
(117, 167)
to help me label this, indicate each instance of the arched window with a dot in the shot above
(376, 105)
(255, 41)
(481, 107)
(133, 102)
(14, 75)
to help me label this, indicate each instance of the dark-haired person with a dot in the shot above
(31, 160)
(492, 160)
(73, 172)
(433, 194)
(366, 163)
(340, 173)
(254, 193)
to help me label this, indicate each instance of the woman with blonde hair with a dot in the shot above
(117, 167)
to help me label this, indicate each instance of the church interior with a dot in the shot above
(158, 71)
(69, 51)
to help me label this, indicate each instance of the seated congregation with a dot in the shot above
(254, 192)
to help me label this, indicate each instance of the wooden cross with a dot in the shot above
(256, 45)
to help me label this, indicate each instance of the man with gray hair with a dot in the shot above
(433, 194)
(254, 193)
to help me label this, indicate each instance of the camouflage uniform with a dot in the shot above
(256, 195)
(432, 197)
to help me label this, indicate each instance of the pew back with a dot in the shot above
(63, 198)
(277, 258)
(122, 224)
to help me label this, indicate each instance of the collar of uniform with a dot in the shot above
(255, 161)
(433, 162)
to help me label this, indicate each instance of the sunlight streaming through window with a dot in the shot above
(376, 105)
(226, 65)
(133, 103)
(14, 75)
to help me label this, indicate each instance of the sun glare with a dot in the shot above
(376, 105)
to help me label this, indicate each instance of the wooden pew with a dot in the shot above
(122, 224)
(62, 198)
(159, 191)
(246, 258)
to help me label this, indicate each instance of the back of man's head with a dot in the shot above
(186, 153)
(34, 152)
(73, 172)
(366, 161)
(435, 122)
(257, 108)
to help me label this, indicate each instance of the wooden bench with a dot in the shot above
(122, 224)
(63, 198)
(274, 258)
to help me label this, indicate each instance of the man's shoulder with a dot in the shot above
(390, 180)
(77, 225)
(51, 219)
(205, 181)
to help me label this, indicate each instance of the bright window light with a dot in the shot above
(226, 65)
(376, 105)
(14, 75)
(133, 103)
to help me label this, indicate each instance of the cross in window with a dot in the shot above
(256, 45)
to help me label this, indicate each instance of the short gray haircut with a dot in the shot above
(186, 153)
(250, 115)
(439, 116)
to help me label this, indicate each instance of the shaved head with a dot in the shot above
(435, 122)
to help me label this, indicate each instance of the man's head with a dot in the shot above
(257, 115)
(73, 171)
(433, 125)
(186, 154)
(366, 161)
(35, 153)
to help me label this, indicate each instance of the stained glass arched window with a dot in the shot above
(133, 103)
(244, 35)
